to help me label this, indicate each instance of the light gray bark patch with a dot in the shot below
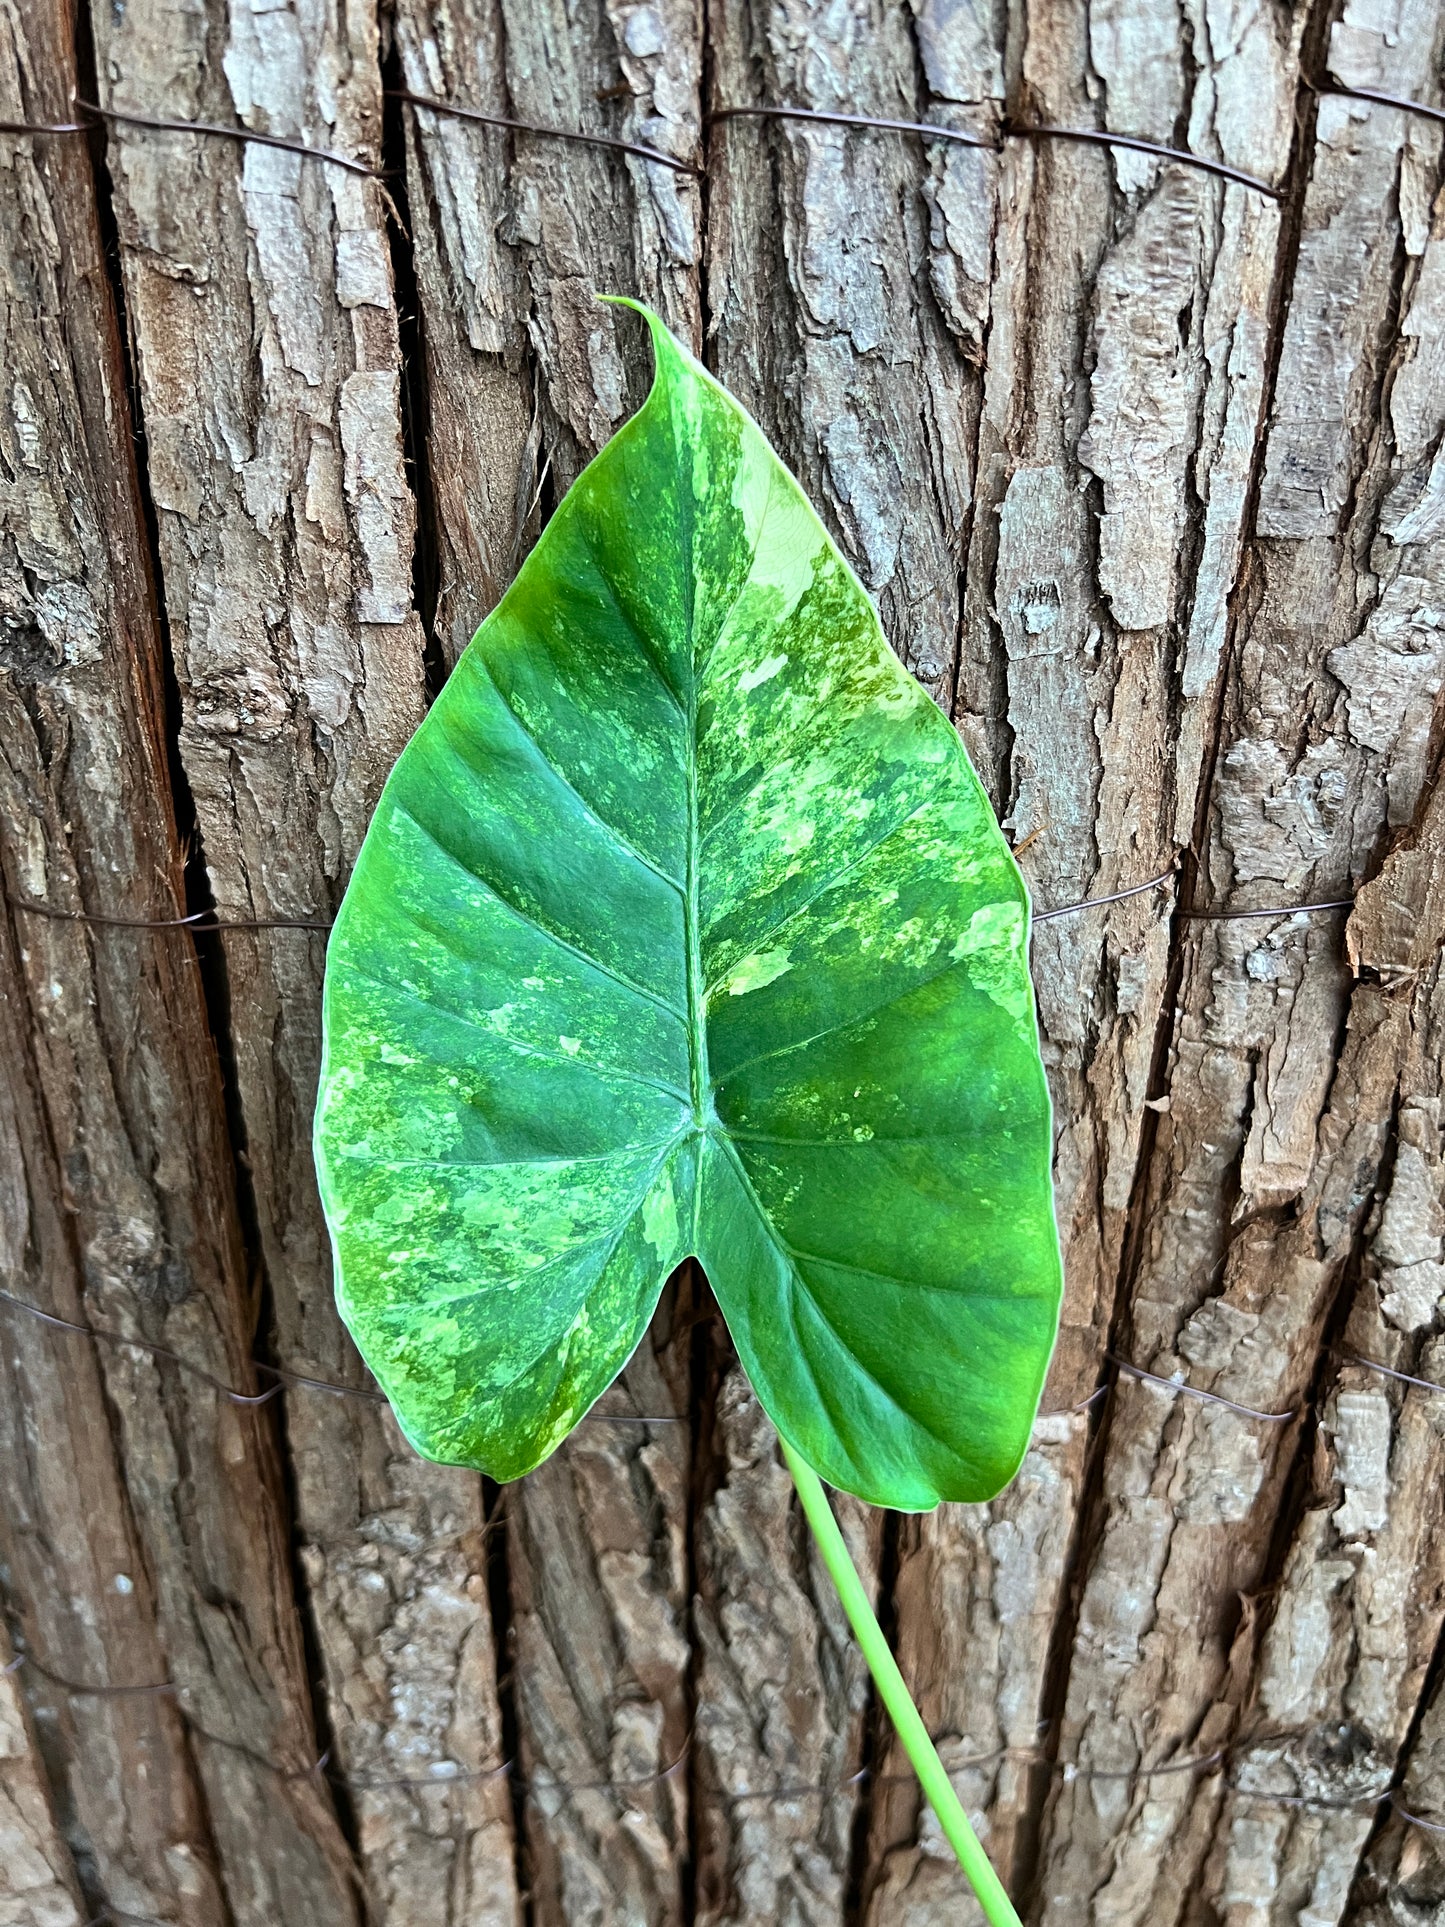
(1143, 401)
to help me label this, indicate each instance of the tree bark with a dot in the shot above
(1143, 468)
(145, 1560)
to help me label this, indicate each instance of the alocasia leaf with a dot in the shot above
(683, 927)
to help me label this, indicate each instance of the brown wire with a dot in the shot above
(928, 129)
(280, 1373)
(204, 921)
(1312, 1802)
(1197, 1765)
(457, 112)
(473, 1776)
(142, 1345)
(1245, 1411)
(199, 920)
(1097, 137)
(149, 1690)
(1194, 1391)
(44, 127)
(1388, 1371)
(1071, 1411)
(1097, 903)
(464, 1776)
(1380, 100)
(1018, 130)
(1415, 1819)
(284, 1376)
(1274, 910)
(220, 131)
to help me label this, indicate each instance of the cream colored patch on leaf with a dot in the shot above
(659, 1220)
(754, 678)
(763, 967)
(992, 946)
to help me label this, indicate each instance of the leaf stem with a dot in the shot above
(997, 1906)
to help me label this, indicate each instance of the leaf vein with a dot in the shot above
(573, 1251)
(800, 1284)
(611, 829)
(533, 922)
(513, 1043)
(844, 1023)
(766, 936)
(501, 1164)
(872, 1377)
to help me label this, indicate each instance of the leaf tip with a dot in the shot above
(664, 343)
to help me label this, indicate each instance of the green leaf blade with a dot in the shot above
(684, 928)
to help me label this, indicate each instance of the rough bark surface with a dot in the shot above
(38, 1883)
(143, 1534)
(261, 307)
(1144, 469)
(1265, 1164)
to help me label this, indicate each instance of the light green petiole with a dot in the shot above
(920, 1749)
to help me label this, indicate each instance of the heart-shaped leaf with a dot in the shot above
(683, 927)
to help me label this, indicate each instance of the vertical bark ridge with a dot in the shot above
(416, 411)
(782, 1691)
(1245, 1253)
(143, 1525)
(1341, 1649)
(259, 287)
(1401, 1875)
(1128, 311)
(499, 1599)
(1238, 601)
(38, 1878)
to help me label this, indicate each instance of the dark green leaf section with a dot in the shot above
(684, 928)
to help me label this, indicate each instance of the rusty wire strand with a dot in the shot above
(451, 1775)
(927, 130)
(1098, 903)
(1099, 137)
(205, 922)
(160, 123)
(199, 921)
(282, 1374)
(1378, 99)
(306, 1382)
(1271, 910)
(1011, 129)
(1387, 1371)
(1415, 1819)
(455, 111)
(143, 1345)
(147, 1690)
(44, 127)
(1081, 1405)
(1310, 1802)
(1195, 1391)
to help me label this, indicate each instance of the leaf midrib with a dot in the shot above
(691, 901)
